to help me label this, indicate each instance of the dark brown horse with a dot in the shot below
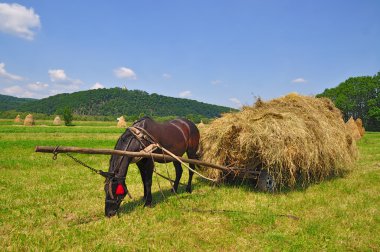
(178, 136)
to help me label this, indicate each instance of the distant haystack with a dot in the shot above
(57, 121)
(29, 121)
(17, 119)
(361, 129)
(352, 128)
(121, 122)
(201, 124)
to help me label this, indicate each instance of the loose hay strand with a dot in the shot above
(298, 139)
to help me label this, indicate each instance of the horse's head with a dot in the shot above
(116, 190)
(115, 187)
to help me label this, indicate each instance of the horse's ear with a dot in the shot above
(120, 190)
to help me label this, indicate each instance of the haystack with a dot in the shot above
(361, 128)
(121, 122)
(17, 119)
(29, 121)
(297, 139)
(353, 129)
(57, 121)
(201, 124)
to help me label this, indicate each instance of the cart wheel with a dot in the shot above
(266, 182)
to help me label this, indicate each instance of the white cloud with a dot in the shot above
(63, 82)
(299, 80)
(166, 76)
(125, 73)
(17, 91)
(97, 85)
(37, 86)
(7, 75)
(57, 75)
(185, 94)
(18, 20)
(236, 101)
(216, 82)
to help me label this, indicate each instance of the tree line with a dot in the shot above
(116, 102)
(358, 97)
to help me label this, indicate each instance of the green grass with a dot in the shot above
(59, 205)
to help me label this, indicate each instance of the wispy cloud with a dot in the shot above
(62, 81)
(38, 86)
(57, 75)
(216, 82)
(17, 91)
(166, 76)
(236, 101)
(125, 73)
(4, 74)
(185, 94)
(299, 80)
(18, 20)
(97, 85)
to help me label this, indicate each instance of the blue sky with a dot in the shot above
(220, 52)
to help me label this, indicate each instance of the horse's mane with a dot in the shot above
(142, 119)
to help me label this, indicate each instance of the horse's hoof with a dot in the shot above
(188, 190)
(148, 205)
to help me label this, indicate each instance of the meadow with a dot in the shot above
(51, 204)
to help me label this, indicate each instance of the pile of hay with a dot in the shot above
(361, 129)
(297, 139)
(17, 119)
(57, 121)
(352, 128)
(121, 122)
(29, 121)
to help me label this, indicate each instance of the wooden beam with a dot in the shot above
(155, 156)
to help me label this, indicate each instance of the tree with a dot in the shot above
(67, 115)
(358, 97)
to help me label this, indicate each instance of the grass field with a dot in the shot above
(59, 205)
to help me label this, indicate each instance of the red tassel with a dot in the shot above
(120, 190)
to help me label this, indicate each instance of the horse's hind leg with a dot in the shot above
(178, 175)
(191, 173)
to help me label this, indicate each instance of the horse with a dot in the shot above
(179, 136)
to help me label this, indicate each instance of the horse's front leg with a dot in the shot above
(149, 166)
(141, 166)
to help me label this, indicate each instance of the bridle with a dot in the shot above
(108, 184)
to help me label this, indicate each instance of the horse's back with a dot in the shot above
(178, 135)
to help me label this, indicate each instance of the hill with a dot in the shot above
(117, 101)
(358, 97)
(9, 102)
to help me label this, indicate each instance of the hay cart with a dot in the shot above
(264, 181)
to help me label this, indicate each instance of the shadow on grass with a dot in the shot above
(250, 185)
(158, 198)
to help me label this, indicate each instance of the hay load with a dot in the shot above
(297, 139)
(29, 121)
(17, 119)
(353, 129)
(57, 121)
(121, 122)
(361, 129)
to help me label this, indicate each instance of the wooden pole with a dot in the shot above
(156, 156)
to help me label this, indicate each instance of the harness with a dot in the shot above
(183, 133)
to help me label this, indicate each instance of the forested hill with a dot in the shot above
(9, 102)
(117, 101)
(358, 97)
